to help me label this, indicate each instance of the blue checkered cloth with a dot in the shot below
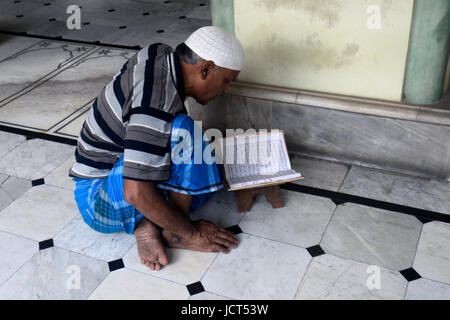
(101, 201)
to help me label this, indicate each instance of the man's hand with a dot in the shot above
(212, 238)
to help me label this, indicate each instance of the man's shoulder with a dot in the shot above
(158, 49)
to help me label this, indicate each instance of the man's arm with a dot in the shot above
(145, 197)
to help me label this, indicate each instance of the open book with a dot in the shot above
(256, 160)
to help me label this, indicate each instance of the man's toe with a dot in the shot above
(164, 260)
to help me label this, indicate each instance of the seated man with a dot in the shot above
(124, 177)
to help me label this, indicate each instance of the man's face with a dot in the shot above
(212, 81)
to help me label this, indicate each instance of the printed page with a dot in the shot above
(257, 159)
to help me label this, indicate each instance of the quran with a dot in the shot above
(256, 160)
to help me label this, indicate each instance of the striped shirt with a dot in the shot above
(132, 116)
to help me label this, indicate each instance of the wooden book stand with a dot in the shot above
(244, 198)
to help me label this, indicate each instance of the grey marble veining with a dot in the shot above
(433, 252)
(15, 251)
(424, 289)
(125, 284)
(3, 177)
(318, 173)
(27, 66)
(184, 266)
(78, 237)
(377, 142)
(10, 45)
(16, 187)
(220, 209)
(301, 222)
(74, 127)
(258, 269)
(10, 141)
(373, 236)
(400, 189)
(67, 92)
(50, 275)
(40, 213)
(60, 176)
(231, 112)
(36, 157)
(333, 278)
(5, 199)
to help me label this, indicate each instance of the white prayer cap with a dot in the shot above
(217, 45)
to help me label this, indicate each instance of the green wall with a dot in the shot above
(428, 52)
(223, 14)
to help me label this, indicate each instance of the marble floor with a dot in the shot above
(316, 247)
(313, 248)
(42, 61)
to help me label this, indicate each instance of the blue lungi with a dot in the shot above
(101, 200)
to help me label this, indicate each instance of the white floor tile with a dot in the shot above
(423, 289)
(207, 296)
(15, 251)
(53, 274)
(40, 213)
(16, 187)
(10, 45)
(60, 176)
(28, 66)
(332, 278)
(433, 253)
(77, 236)
(220, 209)
(5, 199)
(124, 284)
(301, 222)
(10, 141)
(65, 93)
(35, 158)
(319, 174)
(184, 266)
(74, 128)
(258, 269)
(405, 190)
(373, 236)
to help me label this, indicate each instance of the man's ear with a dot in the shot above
(206, 68)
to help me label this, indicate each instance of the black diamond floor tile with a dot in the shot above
(195, 288)
(37, 182)
(116, 265)
(235, 229)
(315, 251)
(410, 274)
(45, 244)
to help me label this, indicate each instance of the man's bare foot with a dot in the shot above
(174, 241)
(150, 245)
